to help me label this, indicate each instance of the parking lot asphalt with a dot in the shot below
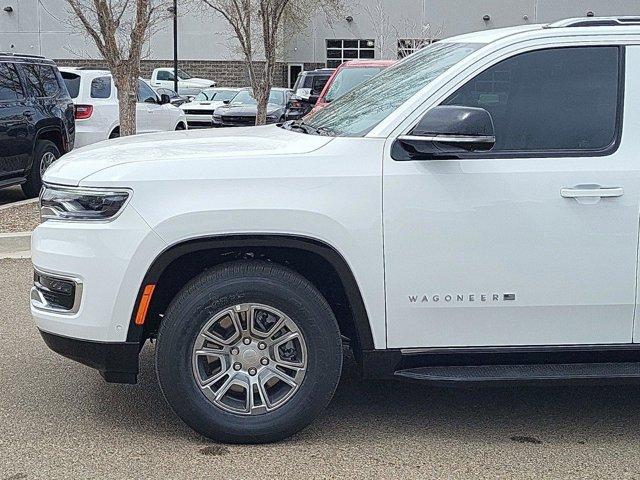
(58, 419)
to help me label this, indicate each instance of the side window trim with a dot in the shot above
(555, 153)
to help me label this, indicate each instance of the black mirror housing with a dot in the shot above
(164, 99)
(445, 132)
(455, 121)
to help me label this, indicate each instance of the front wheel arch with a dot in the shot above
(323, 265)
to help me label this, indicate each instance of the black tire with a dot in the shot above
(232, 284)
(180, 127)
(115, 133)
(31, 188)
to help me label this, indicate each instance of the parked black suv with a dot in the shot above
(37, 123)
(306, 92)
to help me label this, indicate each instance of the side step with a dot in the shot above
(540, 373)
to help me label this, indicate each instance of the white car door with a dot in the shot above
(164, 79)
(148, 109)
(535, 241)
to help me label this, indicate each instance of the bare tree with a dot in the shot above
(398, 39)
(120, 30)
(258, 25)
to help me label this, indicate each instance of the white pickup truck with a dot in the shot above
(469, 215)
(187, 85)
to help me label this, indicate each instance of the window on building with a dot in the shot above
(339, 51)
(549, 100)
(101, 87)
(10, 87)
(407, 46)
(41, 80)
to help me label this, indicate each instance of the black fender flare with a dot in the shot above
(328, 253)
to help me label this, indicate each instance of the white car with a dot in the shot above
(187, 85)
(469, 215)
(199, 111)
(97, 113)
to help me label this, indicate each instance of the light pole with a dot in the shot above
(174, 11)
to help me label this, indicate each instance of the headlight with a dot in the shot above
(57, 203)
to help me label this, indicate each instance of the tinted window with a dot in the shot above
(556, 99)
(164, 75)
(10, 87)
(319, 81)
(101, 87)
(41, 80)
(145, 93)
(73, 83)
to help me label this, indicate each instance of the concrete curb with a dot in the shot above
(18, 204)
(15, 244)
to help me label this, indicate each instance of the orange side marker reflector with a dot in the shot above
(144, 304)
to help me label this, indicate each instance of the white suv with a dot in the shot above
(97, 114)
(468, 215)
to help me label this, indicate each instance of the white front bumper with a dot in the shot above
(109, 259)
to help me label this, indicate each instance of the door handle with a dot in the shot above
(29, 113)
(586, 191)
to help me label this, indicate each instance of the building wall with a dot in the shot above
(206, 45)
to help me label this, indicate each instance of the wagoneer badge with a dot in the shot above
(466, 298)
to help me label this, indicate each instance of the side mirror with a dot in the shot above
(164, 99)
(446, 131)
(226, 102)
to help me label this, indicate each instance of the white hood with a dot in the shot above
(199, 81)
(187, 147)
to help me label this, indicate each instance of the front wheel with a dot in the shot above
(44, 155)
(249, 352)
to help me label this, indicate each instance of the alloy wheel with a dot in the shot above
(249, 359)
(45, 162)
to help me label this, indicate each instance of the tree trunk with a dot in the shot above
(263, 93)
(261, 116)
(127, 100)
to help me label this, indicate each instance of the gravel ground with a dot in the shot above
(19, 219)
(59, 420)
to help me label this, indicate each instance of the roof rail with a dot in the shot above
(595, 22)
(26, 55)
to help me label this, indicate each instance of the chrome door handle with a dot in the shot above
(585, 191)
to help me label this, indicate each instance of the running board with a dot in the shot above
(538, 373)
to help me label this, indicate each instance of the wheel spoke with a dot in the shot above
(287, 337)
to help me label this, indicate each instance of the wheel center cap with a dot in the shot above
(250, 357)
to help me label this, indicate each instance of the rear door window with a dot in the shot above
(101, 87)
(10, 86)
(42, 81)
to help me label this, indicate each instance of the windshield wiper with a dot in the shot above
(306, 128)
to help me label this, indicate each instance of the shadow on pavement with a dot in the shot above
(365, 410)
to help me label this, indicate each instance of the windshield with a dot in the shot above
(349, 78)
(245, 97)
(364, 107)
(182, 75)
(205, 96)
